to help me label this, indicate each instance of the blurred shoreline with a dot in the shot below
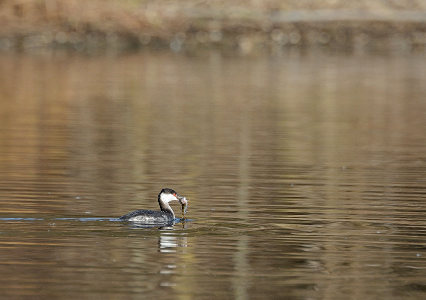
(190, 25)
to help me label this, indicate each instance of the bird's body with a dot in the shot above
(149, 217)
(165, 216)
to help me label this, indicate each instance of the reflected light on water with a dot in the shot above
(305, 174)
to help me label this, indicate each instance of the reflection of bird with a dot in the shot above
(165, 216)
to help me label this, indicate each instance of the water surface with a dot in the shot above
(305, 174)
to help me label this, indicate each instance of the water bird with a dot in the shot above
(164, 216)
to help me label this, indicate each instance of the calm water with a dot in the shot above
(305, 174)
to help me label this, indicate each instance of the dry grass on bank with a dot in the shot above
(191, 23)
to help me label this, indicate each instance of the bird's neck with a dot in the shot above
(165, 206)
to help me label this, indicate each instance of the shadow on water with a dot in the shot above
(100, 219)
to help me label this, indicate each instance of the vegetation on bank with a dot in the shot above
(192, 24)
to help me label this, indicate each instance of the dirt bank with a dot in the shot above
(189, 24)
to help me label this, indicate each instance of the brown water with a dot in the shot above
(305, 174)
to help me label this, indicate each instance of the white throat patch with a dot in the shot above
(168, 197)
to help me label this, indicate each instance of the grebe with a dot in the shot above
(165, 216)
